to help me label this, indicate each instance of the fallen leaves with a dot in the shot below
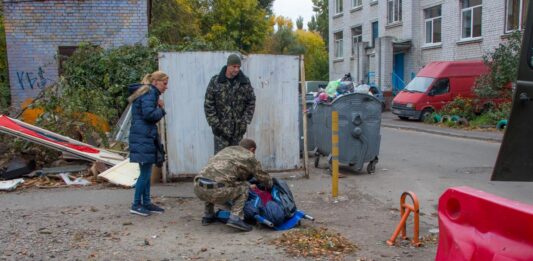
(315, 242)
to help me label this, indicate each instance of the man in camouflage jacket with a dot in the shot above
(229, 104)
(225, 179)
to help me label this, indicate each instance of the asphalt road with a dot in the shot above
(428, 164)
(94, 223)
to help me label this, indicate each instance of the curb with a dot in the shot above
(443, 133)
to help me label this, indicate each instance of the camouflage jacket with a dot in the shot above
(234, 166)
(229, 108)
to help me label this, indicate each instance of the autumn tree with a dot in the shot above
(282, 39)
(315, 55)
(300, 23)
(234, 24)
(174, 21)
(319, 22)
(266, 5)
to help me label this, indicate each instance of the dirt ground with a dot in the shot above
(94, 223)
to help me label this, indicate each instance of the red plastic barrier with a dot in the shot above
(475, 225)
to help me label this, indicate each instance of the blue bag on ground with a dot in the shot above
(280, 212)
(282, 194)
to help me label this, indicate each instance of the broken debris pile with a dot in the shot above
(315, 242)
(102, 159)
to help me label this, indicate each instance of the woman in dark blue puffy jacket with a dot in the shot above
(144, 142)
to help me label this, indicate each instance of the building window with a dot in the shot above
(515, 14)
(338, 6)
(357, 3)
(471, 18)
(432, 19)
(394, 11)
(357, 36)
(337, 47)
(375, 33)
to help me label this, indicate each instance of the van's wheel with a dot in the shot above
(426, 114)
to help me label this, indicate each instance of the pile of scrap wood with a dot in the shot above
(103, 163)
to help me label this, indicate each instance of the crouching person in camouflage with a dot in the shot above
(224, 179)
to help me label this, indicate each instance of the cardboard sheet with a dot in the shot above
(123, 174)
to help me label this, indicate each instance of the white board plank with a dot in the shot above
(124, 174)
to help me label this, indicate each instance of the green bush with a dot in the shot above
(4, 96)
(491, 117)
(501, 112)
(95, 81)
(462, 107)
(503, 65)
(483, 120)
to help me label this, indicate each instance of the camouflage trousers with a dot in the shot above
(221, 196)
(222, 142)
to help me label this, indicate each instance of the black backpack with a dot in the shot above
(282, 194)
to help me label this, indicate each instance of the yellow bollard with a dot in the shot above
(334, 154)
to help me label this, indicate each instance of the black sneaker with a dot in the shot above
(154, 208)
(236, 222)
(139, 210)
(206, 220)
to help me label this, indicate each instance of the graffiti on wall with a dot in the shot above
(28, 80)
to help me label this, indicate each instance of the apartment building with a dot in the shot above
(386, 42)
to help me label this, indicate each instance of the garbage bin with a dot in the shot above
(359, 129)
(309, 100)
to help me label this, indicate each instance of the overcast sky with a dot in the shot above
(294, 8)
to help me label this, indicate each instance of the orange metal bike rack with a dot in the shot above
(405, 210)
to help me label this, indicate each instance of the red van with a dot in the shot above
(437, 84)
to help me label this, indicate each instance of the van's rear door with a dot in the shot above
(515, 159)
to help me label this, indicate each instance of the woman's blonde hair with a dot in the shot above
(146, 81)
(155, 76)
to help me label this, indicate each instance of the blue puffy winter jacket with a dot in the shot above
(144, 142)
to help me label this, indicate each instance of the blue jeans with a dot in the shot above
(142, 187)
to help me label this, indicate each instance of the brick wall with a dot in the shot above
(35, 30)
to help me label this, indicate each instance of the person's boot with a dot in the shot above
(236, 222)
(206, 220)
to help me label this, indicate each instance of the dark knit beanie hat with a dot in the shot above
(234, 59)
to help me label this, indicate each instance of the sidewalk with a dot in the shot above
(390, 120)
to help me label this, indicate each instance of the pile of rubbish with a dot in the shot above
(340, 87)
(19, 173)
(81, 164)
